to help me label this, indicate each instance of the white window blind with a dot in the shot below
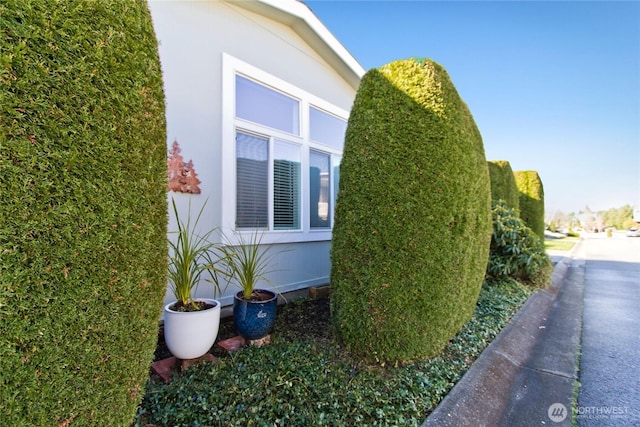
(286, 186)
(252, 181)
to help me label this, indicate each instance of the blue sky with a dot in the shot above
(553, 86)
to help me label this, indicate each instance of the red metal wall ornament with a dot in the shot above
(182, 176)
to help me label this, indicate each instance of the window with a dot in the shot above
(252, 183)
(336, 160)
(282, 171)
(286, 186)
(252, 178)
(319, 185)
(260, 104)
(326, 128)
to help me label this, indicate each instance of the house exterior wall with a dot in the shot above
(201, 43)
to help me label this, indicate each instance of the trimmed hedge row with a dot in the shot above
(531, 202)
(503, 183)
(83, 208)
(413, 224)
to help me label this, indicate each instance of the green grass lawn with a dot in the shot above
(560, 244)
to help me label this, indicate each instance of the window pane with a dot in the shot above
(260, 104)
(252, 181)
(319, 193)
(336, 179)
(326, 128)
(286, 186)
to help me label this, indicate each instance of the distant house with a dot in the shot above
(258, 94)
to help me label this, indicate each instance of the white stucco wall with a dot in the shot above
(193, 37)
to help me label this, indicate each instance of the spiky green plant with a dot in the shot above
(192, 255)
(248, 262)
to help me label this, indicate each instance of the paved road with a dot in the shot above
(610, 362)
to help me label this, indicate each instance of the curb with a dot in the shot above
(529, 366)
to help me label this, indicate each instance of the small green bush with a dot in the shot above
(412, 227)
(573, 233)
(531, 200)
(503, 183)
(516, 252)
(83, 253)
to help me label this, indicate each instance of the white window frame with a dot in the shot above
(232, 66)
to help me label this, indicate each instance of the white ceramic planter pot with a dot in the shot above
(189, 335)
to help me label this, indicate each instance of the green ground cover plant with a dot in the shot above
(305, 378)
(83, 211)
(412, 226)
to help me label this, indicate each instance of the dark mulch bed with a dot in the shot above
(304, 318)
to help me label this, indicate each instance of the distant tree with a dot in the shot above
(588, 220)
(573, 221)
(558, 220)
(619, 218)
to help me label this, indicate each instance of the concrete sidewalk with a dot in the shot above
(526, 376)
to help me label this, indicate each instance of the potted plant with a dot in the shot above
(191, 325)
(254, 309)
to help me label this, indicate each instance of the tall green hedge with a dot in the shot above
(531, 202)
(413, 222)
(503, 183)
(82, 209)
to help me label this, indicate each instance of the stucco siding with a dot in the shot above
(194, 38)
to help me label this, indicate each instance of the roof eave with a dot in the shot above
(304, 22)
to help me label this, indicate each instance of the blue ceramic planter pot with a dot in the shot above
(255, 319)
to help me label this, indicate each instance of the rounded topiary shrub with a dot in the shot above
(503, 183)
(531, 200)
(83, 253)
(413, 225)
